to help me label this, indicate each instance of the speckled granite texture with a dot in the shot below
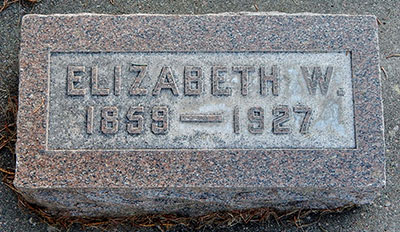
(124, 182)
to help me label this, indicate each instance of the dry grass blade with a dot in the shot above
(6, 172)
(393, 55)
(6, 4)
(256, 7)
(38, 107)
(322, 229)
(384, 72)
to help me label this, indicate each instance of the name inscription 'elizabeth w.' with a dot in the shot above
(193, 86)
(193, 80)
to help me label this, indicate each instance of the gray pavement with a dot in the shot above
(382, 215)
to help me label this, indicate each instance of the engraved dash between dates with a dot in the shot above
(204, 118)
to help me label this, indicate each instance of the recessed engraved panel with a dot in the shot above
(200, 100)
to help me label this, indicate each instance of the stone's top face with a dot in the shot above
(245, 116)
(256, 100)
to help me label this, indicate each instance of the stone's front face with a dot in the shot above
(130, 114)
(112, 100)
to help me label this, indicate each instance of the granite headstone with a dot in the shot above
(133, 114)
